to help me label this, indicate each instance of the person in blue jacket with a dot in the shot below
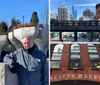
(30, 63)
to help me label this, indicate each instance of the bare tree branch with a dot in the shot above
(45, 15)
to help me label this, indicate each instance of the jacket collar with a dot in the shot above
(30, 50)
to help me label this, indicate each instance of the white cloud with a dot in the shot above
(92, 1)
(90, 4)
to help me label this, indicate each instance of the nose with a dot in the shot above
(27, 45)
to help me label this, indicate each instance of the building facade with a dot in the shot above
(54, 16)
(87, 15)
(63, 14)
(74, 13)
(74, 64)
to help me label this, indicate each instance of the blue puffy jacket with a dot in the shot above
(32, 68)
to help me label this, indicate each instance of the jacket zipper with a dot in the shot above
(28, 68)
(27, 65)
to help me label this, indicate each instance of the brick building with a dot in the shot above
(75, 64)
(87, 15)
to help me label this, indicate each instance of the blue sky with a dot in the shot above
(80, 5)
(18, 8)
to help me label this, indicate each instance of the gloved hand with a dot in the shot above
(14, 67)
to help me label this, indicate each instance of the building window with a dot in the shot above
(55, 64)
(75, 58)
(92, 49)
(56, 56)
(83, 36)
(68, 36)
(94, 56)
(54, 36)
(75, 64)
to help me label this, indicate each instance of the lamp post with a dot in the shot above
(23, 21)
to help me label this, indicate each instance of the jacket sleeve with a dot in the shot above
(45, 72)
(10, 59)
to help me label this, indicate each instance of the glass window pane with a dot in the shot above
(68, 36)
(54, 36)
(55, 64)
(95, 64)
(75, 48)
(56, 56)
(92, 48)
(57, 52)
(58, 48)
(75, 56)
(90, 45)
(83, 36)
(92, 51)
(75, 64)
(94, 56)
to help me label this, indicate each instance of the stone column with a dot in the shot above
(3, 42)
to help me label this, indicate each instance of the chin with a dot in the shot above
(26, 48)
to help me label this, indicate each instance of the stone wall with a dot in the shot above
(6, 77)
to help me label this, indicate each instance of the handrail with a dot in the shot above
(75, 23)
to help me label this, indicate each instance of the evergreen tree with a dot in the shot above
(34, 19)
(4, 26)
(14, 22)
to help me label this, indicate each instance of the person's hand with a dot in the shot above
(14, 67)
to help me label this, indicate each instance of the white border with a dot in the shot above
(49, 40)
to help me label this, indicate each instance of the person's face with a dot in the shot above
(27, 43)
(98, 13)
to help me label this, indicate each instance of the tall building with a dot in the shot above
(63, 13)
(87, 15)
(74, 13)
(54, 16)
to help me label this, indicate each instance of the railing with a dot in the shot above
(79, 26)
(75, 23)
